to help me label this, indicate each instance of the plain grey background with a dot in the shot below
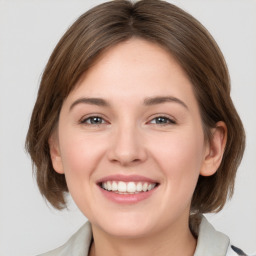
(29, 30)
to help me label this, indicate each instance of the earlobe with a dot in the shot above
(55, 153)
(215, 150)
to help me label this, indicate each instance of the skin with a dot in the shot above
(127, 139)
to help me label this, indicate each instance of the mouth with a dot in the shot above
(121, 187)
(127, 189)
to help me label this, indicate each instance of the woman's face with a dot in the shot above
(130, 141)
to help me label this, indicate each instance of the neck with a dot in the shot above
(169, 241)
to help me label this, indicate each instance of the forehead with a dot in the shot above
(134, 68)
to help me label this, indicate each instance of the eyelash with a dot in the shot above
(165, 120)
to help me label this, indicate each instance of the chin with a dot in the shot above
(128, 231)
(129, 226)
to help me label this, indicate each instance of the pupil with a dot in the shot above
(96, 120)
(161, 120)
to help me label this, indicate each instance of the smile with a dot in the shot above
(123, 189)
(131, 187)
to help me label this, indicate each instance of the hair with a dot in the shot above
(192, 46)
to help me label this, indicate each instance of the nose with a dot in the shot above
(127, 147)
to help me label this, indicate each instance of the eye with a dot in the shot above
(162, 120)
(93, 120)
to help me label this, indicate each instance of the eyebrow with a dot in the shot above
(90, 101)
(148, 101)
(161, 99)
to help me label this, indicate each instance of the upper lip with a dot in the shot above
(126, 178)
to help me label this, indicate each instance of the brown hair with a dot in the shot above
(186, 39)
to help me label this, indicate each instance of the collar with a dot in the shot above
(211, 242)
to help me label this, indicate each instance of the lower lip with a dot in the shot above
(127, 198)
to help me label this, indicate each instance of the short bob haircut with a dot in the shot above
(192, 46)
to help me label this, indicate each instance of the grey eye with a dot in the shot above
(93, 120)
(162, 120)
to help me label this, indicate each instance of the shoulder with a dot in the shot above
(78, 244)
(212, 242)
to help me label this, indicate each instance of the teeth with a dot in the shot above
(121, 187)
(127, 187)
(139, 187)
(131, 187)
(109, 185)
(114, 186)
(145, 187)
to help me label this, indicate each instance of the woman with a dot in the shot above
(134, 119)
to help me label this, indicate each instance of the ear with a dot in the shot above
(55, 153)
(215, 149)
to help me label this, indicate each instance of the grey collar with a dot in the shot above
(211, 242)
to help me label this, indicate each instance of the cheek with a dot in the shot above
(80, 154)
(80, 157)
(180, 149)
(180, 157)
